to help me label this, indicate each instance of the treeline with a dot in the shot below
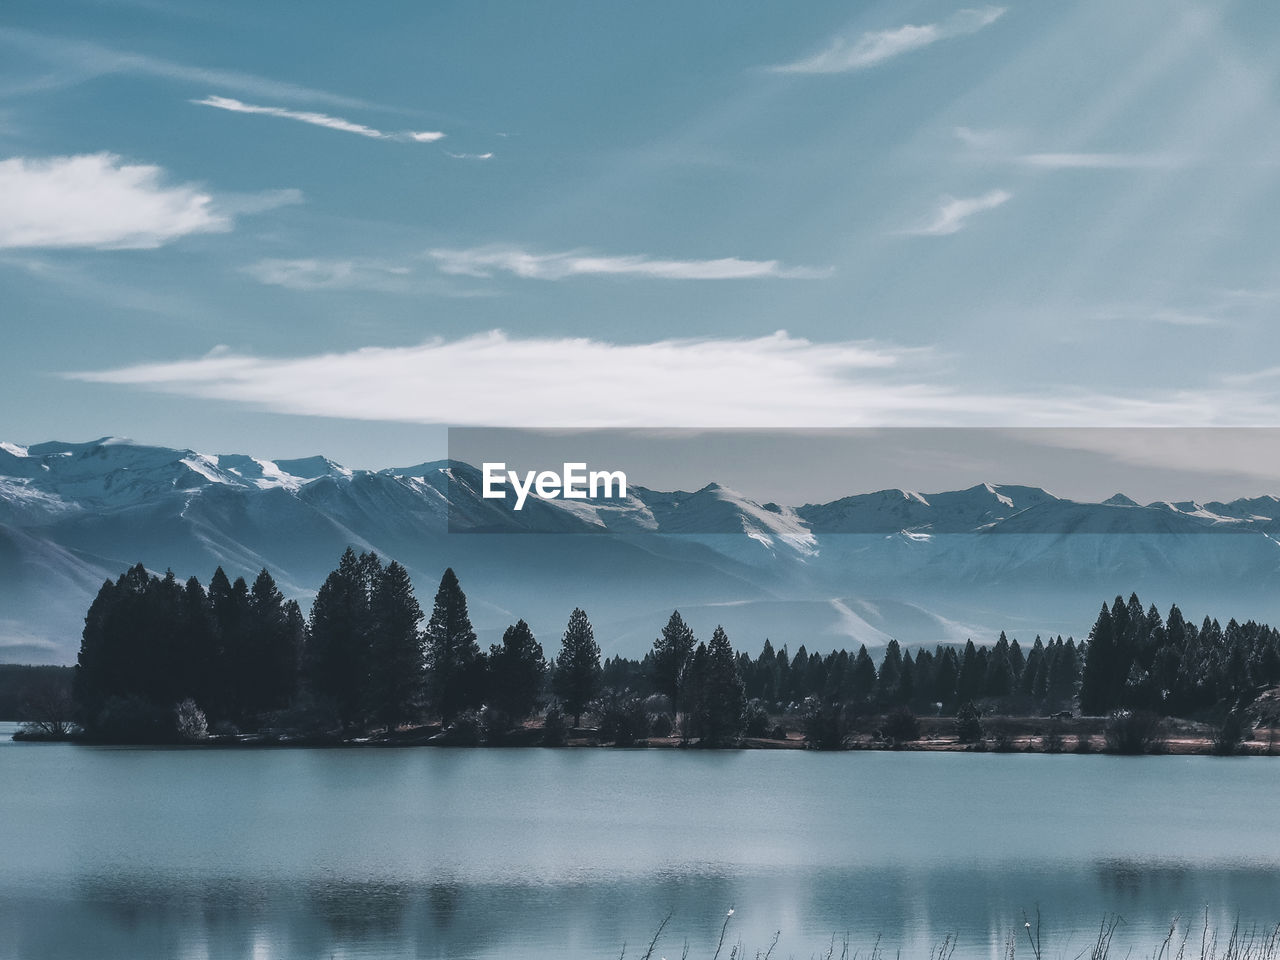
(162, 659)
(1139, 661)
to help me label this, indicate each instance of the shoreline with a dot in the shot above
(1009, 735)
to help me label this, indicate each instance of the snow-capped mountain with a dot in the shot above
(923, 567)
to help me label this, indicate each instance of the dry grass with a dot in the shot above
(1200, 941)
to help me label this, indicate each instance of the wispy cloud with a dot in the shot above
(875, 47)
(313, 274)
(469, 156)
(774, 381)
(98, 200)
(1164, 315)
(80, 60)
(486, 261)
(320, 120)
(982, 139)
(954, 211)
(1009, 147)
(422, 273)
(1254, 376)
(1101, 161)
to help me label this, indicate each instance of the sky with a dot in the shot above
(238, 228)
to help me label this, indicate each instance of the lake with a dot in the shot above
(290, 853)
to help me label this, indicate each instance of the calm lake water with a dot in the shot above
(289, 853)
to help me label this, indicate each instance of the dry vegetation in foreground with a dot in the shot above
(1183, 942)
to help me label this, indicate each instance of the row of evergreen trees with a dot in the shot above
(233, 649)
(1046, 677)
(1139, 661)
(241, 653)
(245, 654)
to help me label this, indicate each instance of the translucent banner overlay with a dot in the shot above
(911, 483)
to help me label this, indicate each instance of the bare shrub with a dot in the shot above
(1133, 732)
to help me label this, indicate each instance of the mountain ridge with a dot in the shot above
(924, 567)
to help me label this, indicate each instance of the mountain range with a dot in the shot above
(924, 568)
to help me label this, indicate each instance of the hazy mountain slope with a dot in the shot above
(922, 567)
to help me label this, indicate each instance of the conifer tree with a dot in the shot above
(998, 678)
(862, 678)
(1026, 683)
(670, 651)
(946, 676)
(91, 684)
(906, 681)
(338, 644)
(270, 666)
(455, 677)
(199, 644)
(799, 674)
(693, 690)
(517, 669)
(396, 664)
(1017, 661)
(972, 675)
(890, 673)
(578, 673)
(1100, 665)
(722, 698)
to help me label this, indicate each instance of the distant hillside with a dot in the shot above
(921, 567)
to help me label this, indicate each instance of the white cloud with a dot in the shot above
(98, 200)
(315, 274)
(981, 139)
(319, 120)
(486, 261)
(243, 203)
(1165, 315)
(1101, 161)
(469, 156)
(954, 211)
(1254, 376)
(775, 381)
(412, 275)
(875, 47)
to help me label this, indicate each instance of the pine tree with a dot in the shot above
(229, 610)
(997, 681)
(1017, 661)
(1035, 663)
(271, 663)
(723, 698)
(396, 667)
(455, 667)
(862, 680)
(517, 669)
(338, 644)
(199, 646)
(890, 673)
(906, 681)
(1064, 677)
(925, 674)
(799, 674)
(691, 708)
(670, 651)
(578, 674)
(92, 682)
(946, 676)
(972, 674)
(1100, 665)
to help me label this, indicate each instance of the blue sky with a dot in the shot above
(281, 229)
